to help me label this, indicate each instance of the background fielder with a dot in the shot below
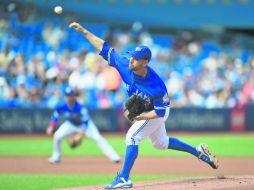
(78, 122)
(142, 80)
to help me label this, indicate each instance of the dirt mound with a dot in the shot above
(202, 183)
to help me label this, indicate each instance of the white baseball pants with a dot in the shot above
(153, 128)
(91, 131)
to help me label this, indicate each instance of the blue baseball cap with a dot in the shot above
(141, 53)
(69, 91)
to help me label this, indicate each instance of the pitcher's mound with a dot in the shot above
(201, 183)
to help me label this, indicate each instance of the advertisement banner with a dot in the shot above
(24, 120)
(105, 120)
(37, 120)
(111, 120)
(198, 119)
(249, 117)
(237, 119)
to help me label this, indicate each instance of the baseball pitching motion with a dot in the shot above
(77, 124)
(142, 81)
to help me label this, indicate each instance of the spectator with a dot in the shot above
(38, 60)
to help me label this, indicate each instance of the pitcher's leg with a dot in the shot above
(93, 133)
(176, 144)
(202, 151)
(160, 140)
(138, 131)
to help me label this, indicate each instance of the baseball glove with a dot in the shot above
(75, 139)
(135, 106)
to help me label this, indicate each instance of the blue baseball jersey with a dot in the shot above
(150, 88)
(77, 115)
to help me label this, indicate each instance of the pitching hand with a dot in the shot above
(76, 26)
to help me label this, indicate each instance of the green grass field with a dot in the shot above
(238, 145)
(44, 182)
(221, 145)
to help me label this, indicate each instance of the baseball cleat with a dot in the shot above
(207, 157)
(52, 160)
(119, 183)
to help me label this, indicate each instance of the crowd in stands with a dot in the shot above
(39, 57)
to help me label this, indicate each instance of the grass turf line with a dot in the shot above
(220, 145)
(45, 182)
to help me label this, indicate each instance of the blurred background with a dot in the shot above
(203, 50)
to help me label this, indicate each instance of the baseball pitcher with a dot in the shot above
(77, 124)
(148, 106)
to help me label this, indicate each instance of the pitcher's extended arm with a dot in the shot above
(94, 40)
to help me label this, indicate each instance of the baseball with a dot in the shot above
(58, 9)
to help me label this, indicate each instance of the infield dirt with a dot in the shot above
(233, 174)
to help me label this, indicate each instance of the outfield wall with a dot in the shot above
(111, 120)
